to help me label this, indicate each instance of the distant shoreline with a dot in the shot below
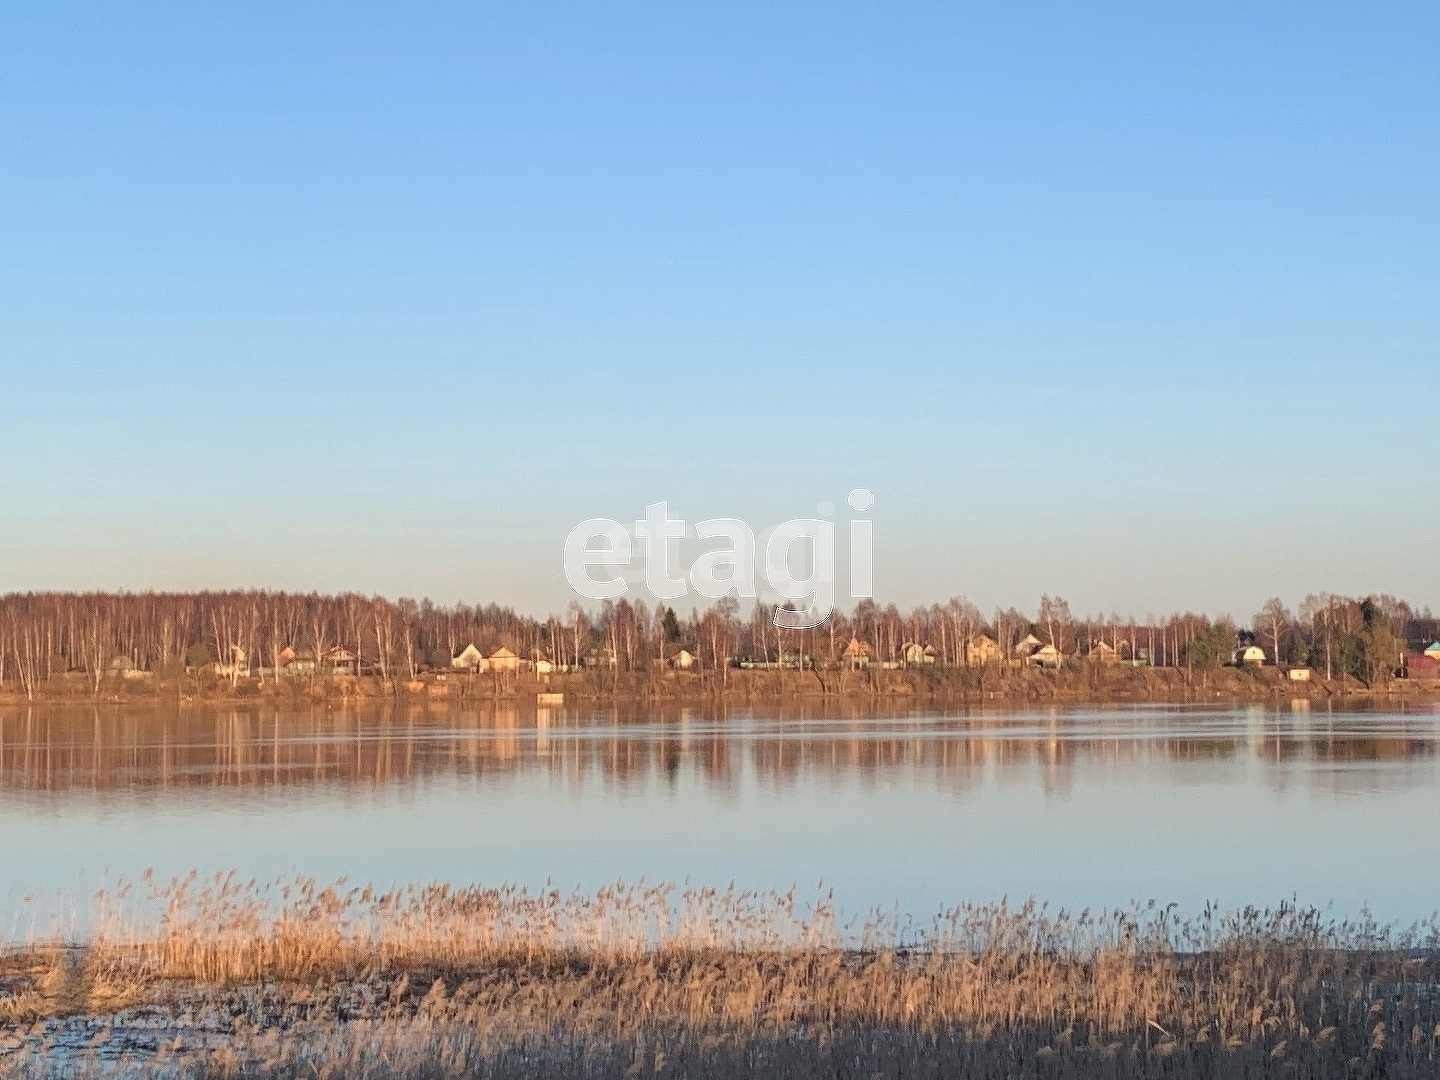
(1086, 684)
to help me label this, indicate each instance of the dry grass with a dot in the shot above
(658, 981)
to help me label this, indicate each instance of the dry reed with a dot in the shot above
(661, 981)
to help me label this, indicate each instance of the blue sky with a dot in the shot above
(1130, 305)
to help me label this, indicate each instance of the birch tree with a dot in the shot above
(1271, 623)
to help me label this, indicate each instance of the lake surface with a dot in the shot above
(1080, 806)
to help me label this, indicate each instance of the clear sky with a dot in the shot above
(1137, 306)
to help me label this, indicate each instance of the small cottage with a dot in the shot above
(301, 663)
(1027, 646)
(1101, 653)
(913, 654)
(502, 659)
(856, 655)
(982, 649)
(470, 659)
(1046, 656)
(341, 661)
(1422, 666)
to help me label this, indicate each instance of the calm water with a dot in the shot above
(1079, 806)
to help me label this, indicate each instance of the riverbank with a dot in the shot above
(440, 982)
(1079, 684)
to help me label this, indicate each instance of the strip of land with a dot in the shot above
(1075, 684)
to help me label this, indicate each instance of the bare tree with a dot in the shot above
(579, 629)
(1272, 621)
(95, 647)
(383, 617)
(1055, 619)
(409, 613)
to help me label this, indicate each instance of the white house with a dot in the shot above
(470, 659)
(239, 663)
(1046, 656)
(1027, 646)
(342, 661)
(1249, 654)
(914, 654)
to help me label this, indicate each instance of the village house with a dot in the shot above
(1422, 666)
(341, 661)
(1027, 646)
(856, 655)
(502, 659)
(1249, 654)
(1102, 653)
(1046, 656)
(282, 661)
(300, 663)
(469, 659)
(913, 654)
(237, 665)
(683, 660)
(1299, 674)
(982, 649)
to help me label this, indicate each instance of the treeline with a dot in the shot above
(45, 635)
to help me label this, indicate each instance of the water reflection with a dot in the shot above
(1329, 749)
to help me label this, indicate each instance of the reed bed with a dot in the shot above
(640, 980)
